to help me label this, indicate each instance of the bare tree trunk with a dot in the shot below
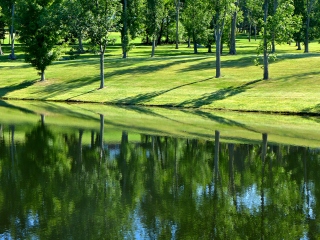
(273, 44)
(42, 74)
(177, 3)
(306, 42)
(80, 43)
(124, 32)
(233, 50)
(195, 47)
(249, 35)
(298, 45)
(102, 51)
(265, 44)
(1, 52)
(153, 46)
(12, 55)
(189, 42)
(218, 55)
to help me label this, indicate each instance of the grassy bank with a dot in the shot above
(185, 123)
(175, 78)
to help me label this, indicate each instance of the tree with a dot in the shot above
(2, 30)
(101, 19)
(131, 20)
(234, 16)
(310, 4)
(221, 8)
(8, 8)
(279, 28)
(196, 19)
(74, 18)
(177, 8)
(153, 18)
(40, 32)
(254, 13)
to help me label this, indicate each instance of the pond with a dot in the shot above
(84, 172)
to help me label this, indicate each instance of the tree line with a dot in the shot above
(41, 24)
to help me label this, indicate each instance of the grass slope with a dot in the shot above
(186, 123)
(175, 78)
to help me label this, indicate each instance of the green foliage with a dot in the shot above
(40, 32)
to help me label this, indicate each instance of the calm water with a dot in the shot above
(75, 184)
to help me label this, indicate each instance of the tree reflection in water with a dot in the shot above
(74, 184)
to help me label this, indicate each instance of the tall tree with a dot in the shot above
(39, 31)
(310, 4)
(234, 16)
(2, 30)
(8, 9)
(177, 8)
(102, 17)
(220, 8)
(281, 26)
(131, 20)
(153, 18)
(196, 19)
(74, 18)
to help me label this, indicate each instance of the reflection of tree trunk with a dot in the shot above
(101, 134)
(124, 137)
(42, 119)
(1, 132)
(176, 168)
(263, 157)
(92, 139)
(216, 153)
(80, 144)
(231, 172)
(12, 130)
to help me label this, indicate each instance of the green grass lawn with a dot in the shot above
(175, 78)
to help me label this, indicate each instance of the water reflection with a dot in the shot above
(74, 184)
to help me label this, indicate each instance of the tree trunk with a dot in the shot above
(189, 42)
(249, 35)
(1, 52)
(209, 48)
(298, 45)
(195, 47)
(255, 32)
(153, 46)
(232, 50)
(124, 32)
(80, 43)
(177, 2)
(306, 42)
(218, 55)
(265, 44)
(102, 51)
(12, 55)
(273, 44)
(42, 76)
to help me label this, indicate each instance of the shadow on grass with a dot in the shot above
(8, 89)
(143, 98)
(218, 95)
(55, 89)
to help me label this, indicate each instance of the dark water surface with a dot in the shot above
(66, 183)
